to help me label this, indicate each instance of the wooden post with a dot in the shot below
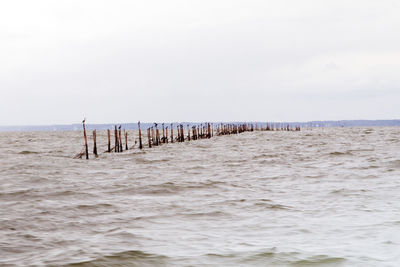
(155, 139)
(157, 135)
(126, 140)
(109, 141)
(116, 148)
(94, 143)
(172, 133)
(152, 135)
(163, 134)
(182, 134)
(120, 138)
(84, 135)
(140, 136)
(188, 129)
(166, 134)
(148, 137)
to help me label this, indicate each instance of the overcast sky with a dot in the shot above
(219, 60)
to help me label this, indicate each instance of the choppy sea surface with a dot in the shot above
(319, 197)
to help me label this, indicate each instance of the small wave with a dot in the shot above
(94, 206)
(338, 153)
(151, 161)
(319, 260)
(362, 150)
(314, 176)
(27, 152)
(394, 163)
(126, 258)
(161, 189)
(273, 206)
(173, 188)
(344, 191)
(205, 185)
(264, 156)
(18, 193)
(206, 214)
(270, 258)
(275, 258)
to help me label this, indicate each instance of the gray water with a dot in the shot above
(320, 197)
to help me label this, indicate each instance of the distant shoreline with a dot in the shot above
(133, 126)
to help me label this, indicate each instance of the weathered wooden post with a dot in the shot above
(120, 138)
(126, 140)
(84, 135)
(155, 139)
(163, 134)
(109, 141)
(140, 136)
(188, 130)
(152, 135)
(166, 134)
(157, 135)
(148, 137)
(94, 143)
(172, 133)
(116, 148)
(182, 134)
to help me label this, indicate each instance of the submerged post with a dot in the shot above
(84, 135)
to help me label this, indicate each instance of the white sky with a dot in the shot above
(219, 60)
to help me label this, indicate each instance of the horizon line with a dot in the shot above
(192, 122)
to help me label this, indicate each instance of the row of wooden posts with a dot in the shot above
(154, 137)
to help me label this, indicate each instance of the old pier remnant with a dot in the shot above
(194, 132)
